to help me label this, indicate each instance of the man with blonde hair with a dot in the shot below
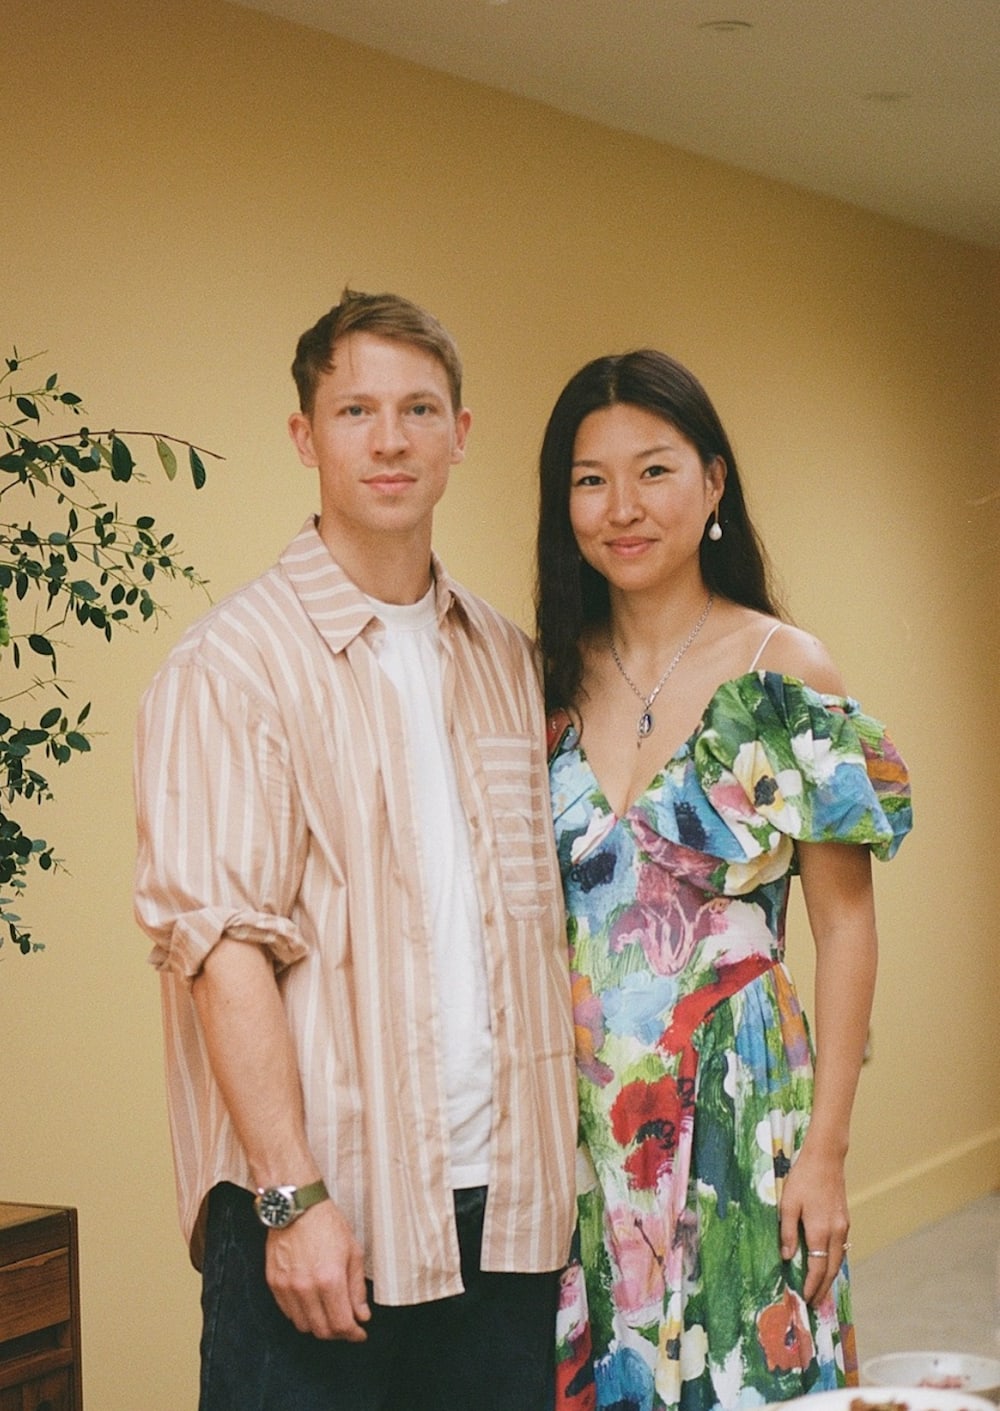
(347, 870)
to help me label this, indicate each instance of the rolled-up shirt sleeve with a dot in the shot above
(221, 836)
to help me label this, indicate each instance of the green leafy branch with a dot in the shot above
(85, 562)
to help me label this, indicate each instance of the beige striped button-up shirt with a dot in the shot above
(275, 806)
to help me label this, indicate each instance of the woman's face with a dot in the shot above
(639, 496)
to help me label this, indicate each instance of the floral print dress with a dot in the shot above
(695, 1063)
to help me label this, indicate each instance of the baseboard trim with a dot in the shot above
(926, 1192)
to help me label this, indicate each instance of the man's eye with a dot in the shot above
(421, 409)
(352, 409)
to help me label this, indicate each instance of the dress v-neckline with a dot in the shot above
(682, 749)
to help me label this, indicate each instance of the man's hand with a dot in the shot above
(315, 1269)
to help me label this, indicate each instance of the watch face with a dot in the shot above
(275, 1208)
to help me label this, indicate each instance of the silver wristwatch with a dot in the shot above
(278, 1206)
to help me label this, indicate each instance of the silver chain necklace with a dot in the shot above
(645, 723)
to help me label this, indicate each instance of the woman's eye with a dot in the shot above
(653, 471)
(586, 480)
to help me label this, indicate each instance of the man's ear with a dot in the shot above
(300, 430)
(463, 421)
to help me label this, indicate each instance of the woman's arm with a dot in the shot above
(837, 885)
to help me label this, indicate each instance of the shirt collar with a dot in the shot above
(336, 606)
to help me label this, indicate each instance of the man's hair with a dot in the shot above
(384, 315)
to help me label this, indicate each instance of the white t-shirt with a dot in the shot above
(410, 655)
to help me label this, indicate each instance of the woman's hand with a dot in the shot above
(815, 1220)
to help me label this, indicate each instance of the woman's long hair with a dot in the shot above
(570, 596)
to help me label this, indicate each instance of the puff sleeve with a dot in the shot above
(774, 763)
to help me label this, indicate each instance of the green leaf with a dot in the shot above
(51, 382)
(50, 718)
(77, 741)
(41, 645)
(30, 737)
(198, 472)
(27, 407)
(122, 464)
(70, 399)
(167, 458)
(80, 588)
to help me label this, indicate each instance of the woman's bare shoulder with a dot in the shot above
(795, 652)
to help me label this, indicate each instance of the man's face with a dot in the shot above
(384, 436)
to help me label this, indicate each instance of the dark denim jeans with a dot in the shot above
(490, 1348)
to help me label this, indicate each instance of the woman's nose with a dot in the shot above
(624, 504)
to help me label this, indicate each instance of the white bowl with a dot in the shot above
(935, 1371)
(913, 1398)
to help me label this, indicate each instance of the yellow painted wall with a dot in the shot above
(185, 187)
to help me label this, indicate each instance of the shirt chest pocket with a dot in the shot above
(516, 793)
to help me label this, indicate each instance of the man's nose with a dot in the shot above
(389, 434)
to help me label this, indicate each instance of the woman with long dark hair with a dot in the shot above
(703, 751)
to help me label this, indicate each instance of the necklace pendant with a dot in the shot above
(645, 724)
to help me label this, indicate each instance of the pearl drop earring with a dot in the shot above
(715, 529)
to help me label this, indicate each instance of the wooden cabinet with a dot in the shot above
(39, 1309)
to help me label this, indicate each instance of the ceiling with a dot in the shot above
(893, 105)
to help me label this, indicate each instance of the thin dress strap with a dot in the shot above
(760, 650)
